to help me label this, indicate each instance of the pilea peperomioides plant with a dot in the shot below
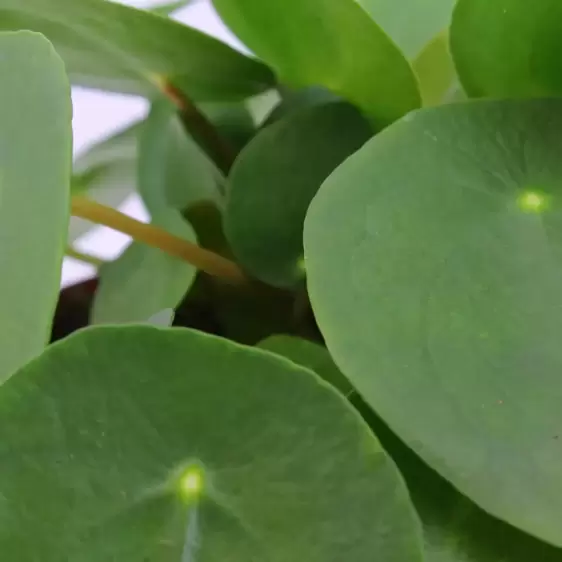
(338, 339)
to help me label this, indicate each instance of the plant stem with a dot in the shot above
(86, 258)
(203, 132)
(202, 259)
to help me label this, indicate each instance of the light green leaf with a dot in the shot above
(140, 443)
(435, 70)
(106, 173)
(332, 44)
(411, 24)
(508, 48)
(434, 269)
(309, 355)
(275, 178)
(144, 280)
(173, 171)
(35, 162)
(114, 47)
(164, 318)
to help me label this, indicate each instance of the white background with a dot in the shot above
(98, 114)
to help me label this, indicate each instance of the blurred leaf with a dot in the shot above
(113, 47)
(167, 9)
(275, 178)
(333, 44)
(233, 120)
(434, 270)
(142, 443)
(106, 173)
(144, 280)
(173, 171)
(164, 318)
(309, 355)
(303, 98)
(411, 24)
(35, 160)
(435, 70)
(508, 48)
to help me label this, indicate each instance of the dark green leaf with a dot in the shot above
(35, 162)
(114, 47)
(160, 445)
(434, 268)
(508, 48)
(333, 44)
(309, 355)
(275, 178)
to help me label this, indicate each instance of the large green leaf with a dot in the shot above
(433, 260)
(508, 48)
(143, 280)
(333, 44)
(275, 178)
(455, 530)
(138, 443)
(114, 47)
(35, 162)
(411, 23)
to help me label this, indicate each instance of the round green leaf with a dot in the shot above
(35, 161)
(144, 280)
(275, 178)
(508, 48)
(113, 47)
(433, 262)
(333, 44)
(138, 443)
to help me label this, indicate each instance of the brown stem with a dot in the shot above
(202, 259)
(203, 132)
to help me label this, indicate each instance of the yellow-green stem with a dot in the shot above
(202, 259)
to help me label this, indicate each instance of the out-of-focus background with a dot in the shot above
(97, 115)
